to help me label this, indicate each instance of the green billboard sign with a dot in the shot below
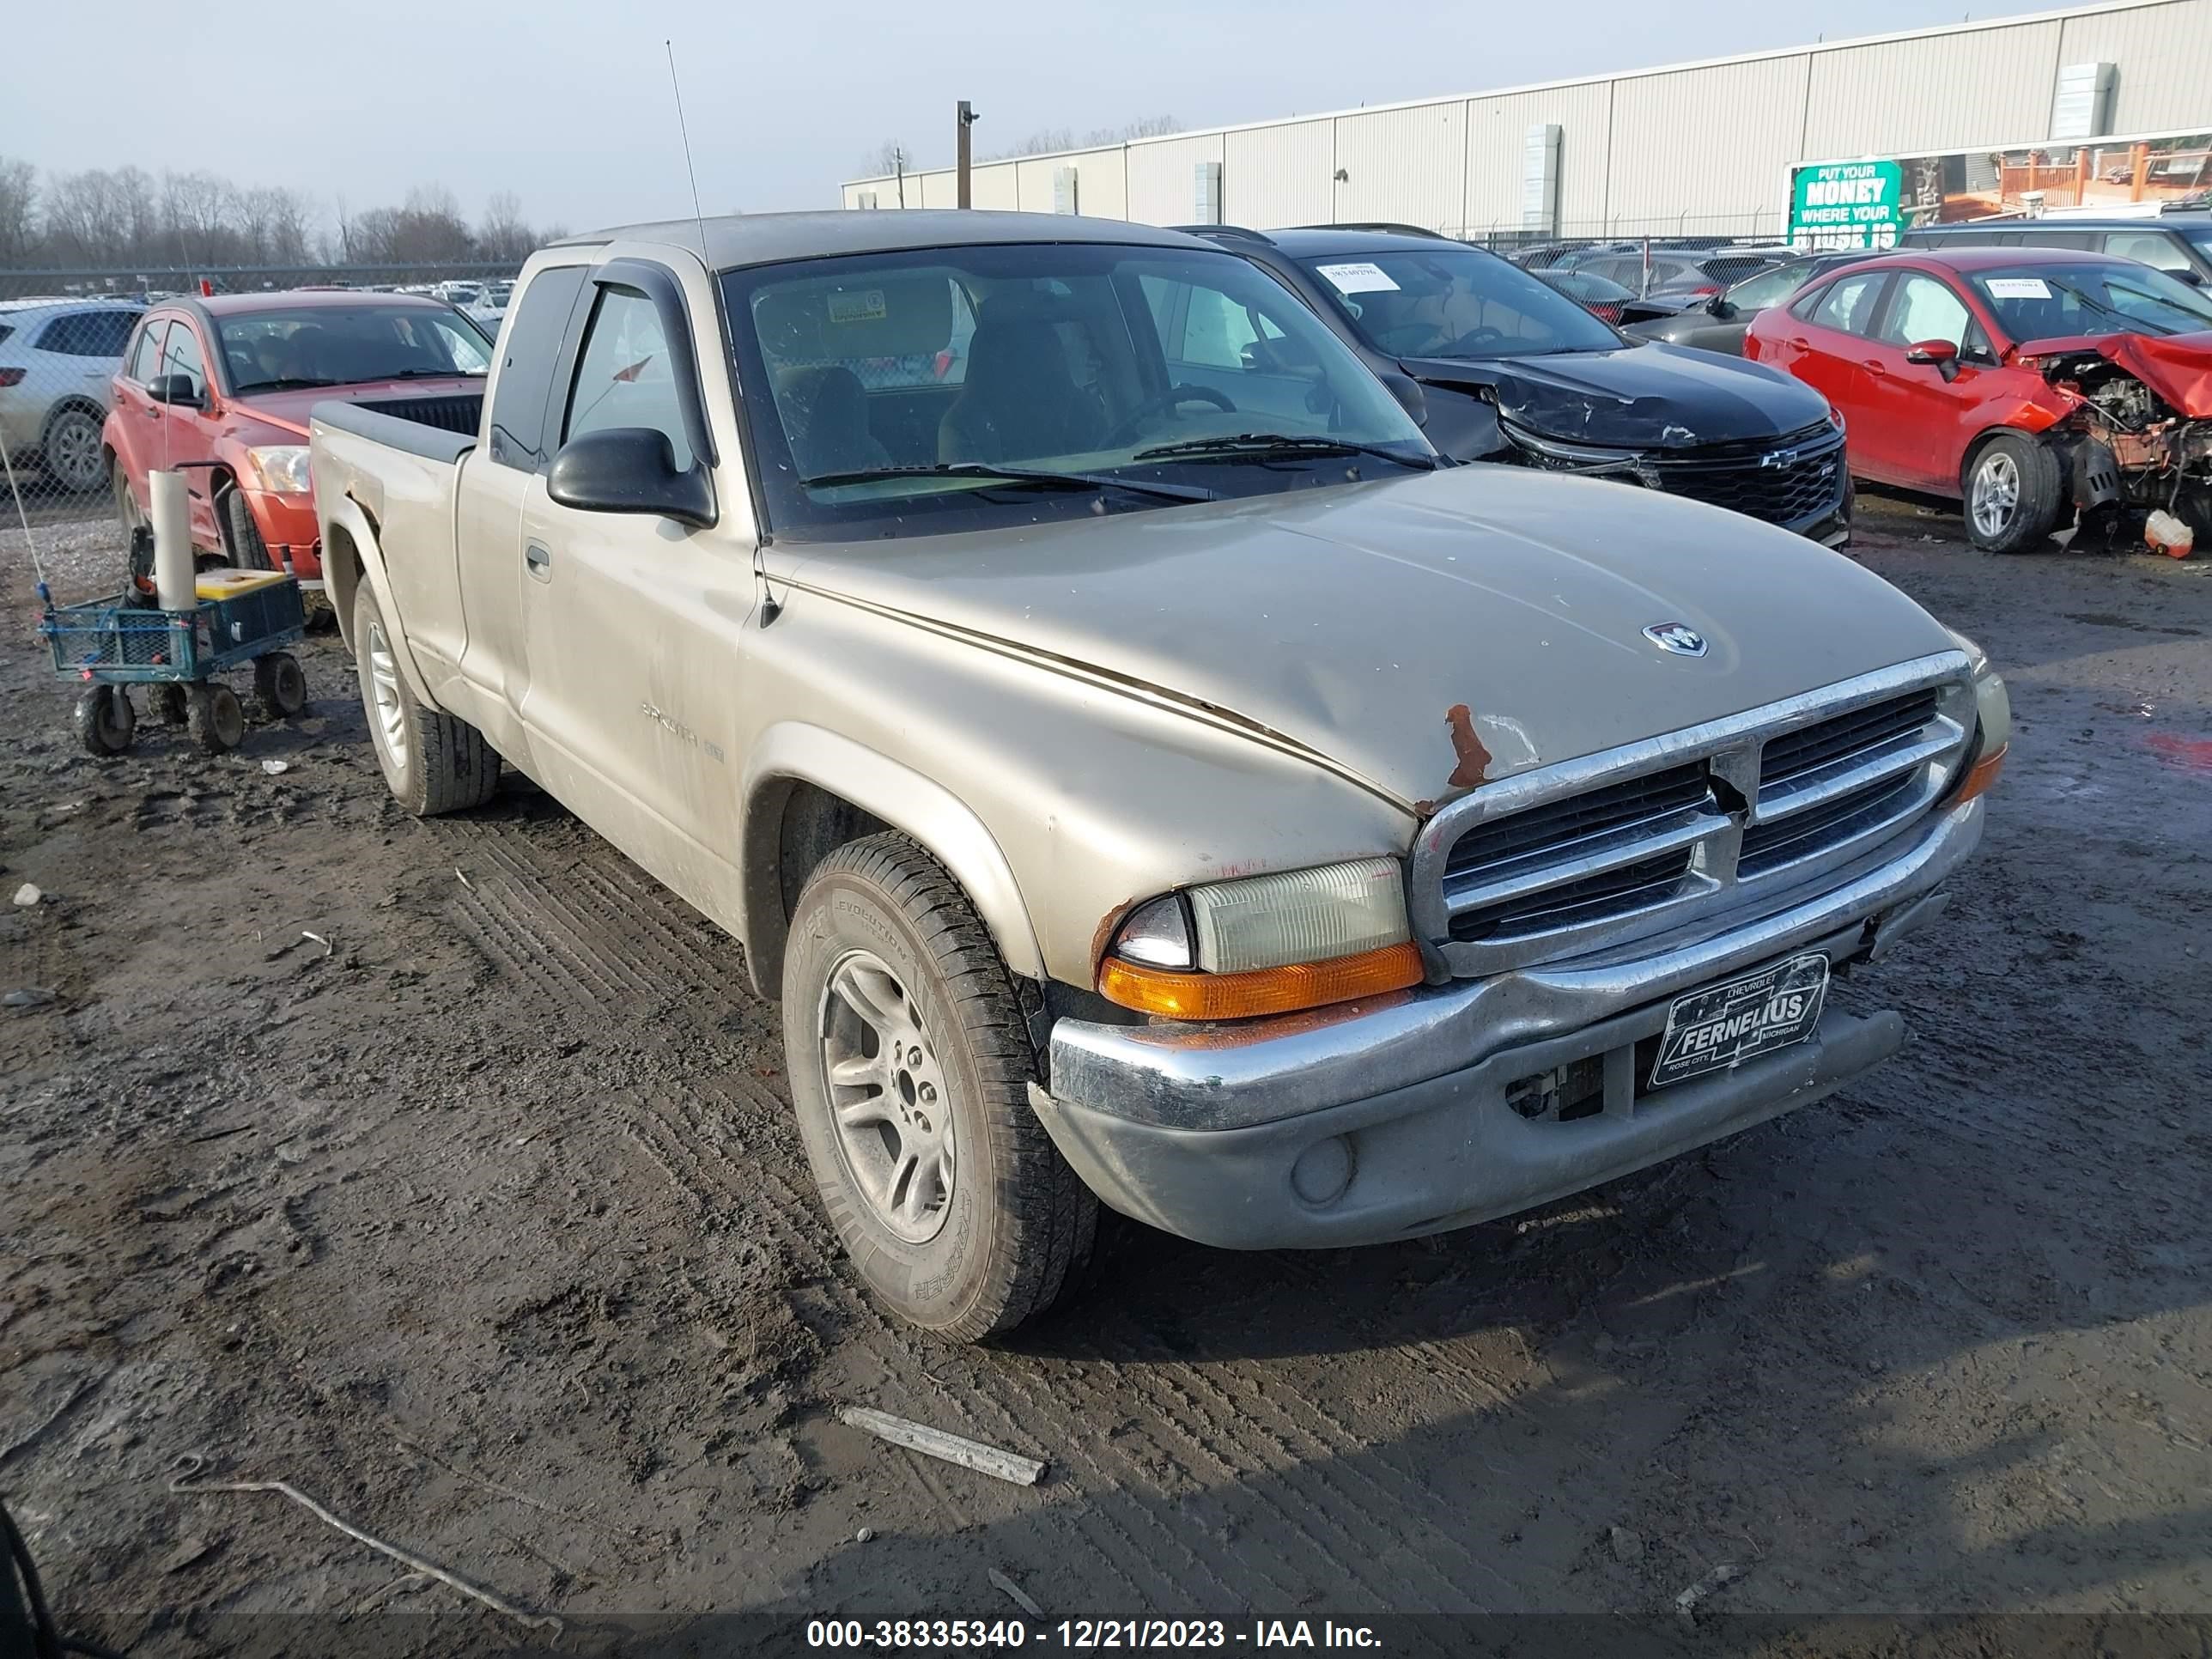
(1847, 204)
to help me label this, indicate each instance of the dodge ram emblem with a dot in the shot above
(1679, 638)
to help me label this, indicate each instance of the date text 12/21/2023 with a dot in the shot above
(1085, 1633)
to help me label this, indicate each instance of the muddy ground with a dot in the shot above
(485, 1225)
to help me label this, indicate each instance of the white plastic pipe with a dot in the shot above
(172, 512)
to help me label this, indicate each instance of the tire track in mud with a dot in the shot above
(590, 929)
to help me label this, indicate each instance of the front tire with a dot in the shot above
(106, 722)
(247, 551)
(2013, 488)
(281, 686)
(213, 717)
(910, 1063)
(432, 762)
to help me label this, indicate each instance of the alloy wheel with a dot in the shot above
(384, 682)
(1997, 493)
(888, 1097)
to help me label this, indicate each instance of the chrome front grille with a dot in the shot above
(1609, 847)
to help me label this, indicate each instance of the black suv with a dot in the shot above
(1509, 369)
(2178, 242)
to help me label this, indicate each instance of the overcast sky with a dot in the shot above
(566, 102)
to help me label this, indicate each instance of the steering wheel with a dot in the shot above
(1475, 338)
(1169, 399)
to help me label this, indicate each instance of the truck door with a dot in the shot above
(517, 448)
(633, 621)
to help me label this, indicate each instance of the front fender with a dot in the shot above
(345, 526)
(796, 750)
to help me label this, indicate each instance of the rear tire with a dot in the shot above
(2013, 488)
(247, 551)
(170, 706)
(945, 1190)
(106, 722)
(214, 717)
(281, 684)
(432, 763)
(68, 449)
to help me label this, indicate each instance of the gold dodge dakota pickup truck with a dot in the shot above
(1141, 770)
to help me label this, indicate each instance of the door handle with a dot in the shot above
(1872, 367)
(540, 561)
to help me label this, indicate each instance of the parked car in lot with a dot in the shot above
(1716, 322)
(1600, 296)
(2017, 380)
(1692, 273)
(1509, 369)
(489, 307)
(2180, 243)
(1141, 772)
(57, 357)
(222, 387)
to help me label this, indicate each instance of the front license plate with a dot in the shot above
(1726, 1025)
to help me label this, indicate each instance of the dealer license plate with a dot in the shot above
(1725, 1024)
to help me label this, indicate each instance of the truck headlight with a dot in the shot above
(1267, 945)
(1992, 723)
(282, 468)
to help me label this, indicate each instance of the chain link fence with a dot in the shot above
(64, 334)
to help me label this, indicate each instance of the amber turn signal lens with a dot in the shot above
(1978, 780)
(1263, 990)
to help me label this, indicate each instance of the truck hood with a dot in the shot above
(288, 410)
(2176, 366)
(1646, 397)
(1366, 625)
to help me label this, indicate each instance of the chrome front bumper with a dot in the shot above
(1212, 1132)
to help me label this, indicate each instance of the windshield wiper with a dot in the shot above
(428, 374)
(1279, 443)
(1085, 481)
(283, 383)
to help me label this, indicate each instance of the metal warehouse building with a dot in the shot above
(1695, 148)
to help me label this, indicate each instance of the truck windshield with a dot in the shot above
(962, 388)
(1454, 302)
(278, 350)
(2088, 297)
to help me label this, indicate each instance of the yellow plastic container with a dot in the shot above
(229, 583)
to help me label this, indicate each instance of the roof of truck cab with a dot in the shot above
(758, 239)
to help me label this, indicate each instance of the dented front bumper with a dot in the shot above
(1392, 1118)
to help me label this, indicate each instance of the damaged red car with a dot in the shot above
(2039, 387)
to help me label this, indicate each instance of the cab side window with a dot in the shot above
(624, 374)
(530, 353)
(2153, 247)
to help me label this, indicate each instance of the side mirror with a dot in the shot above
(1407, 390)
(630, 468)
(1938, 354)
(1720, 305)
(2191, 276)
(177, 390)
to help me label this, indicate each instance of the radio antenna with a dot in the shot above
(685, 131)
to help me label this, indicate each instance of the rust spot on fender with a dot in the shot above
(1474, 759)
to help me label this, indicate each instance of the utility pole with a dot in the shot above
(967, 118)
(898, 163)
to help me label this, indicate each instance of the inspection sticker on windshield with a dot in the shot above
(864, 305)
(2019, 287)
(1726, 1024)
(1361, 278)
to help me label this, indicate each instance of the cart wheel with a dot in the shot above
(282, 685)
(169, 704)
(106, 720)
(214, 717)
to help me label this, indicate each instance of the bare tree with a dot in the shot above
(18, 212)
(503, 233)
(890, 157)
(202, 212)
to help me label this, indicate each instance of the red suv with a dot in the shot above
(222, 387)
(2017, 380)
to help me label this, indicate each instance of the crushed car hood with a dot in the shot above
(2176, 366)
(1361, 624)
(1655, 396)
